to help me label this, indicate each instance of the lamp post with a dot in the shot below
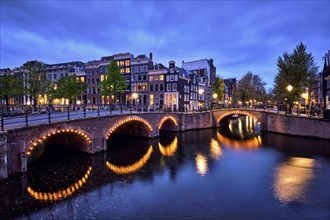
(304, 96)
(200, 92)
(289, 88)
(135, 96)
(215, 96)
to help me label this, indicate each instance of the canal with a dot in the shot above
(235, 172)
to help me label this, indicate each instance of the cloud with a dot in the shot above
(240, 36)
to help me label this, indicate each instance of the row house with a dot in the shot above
(156, 86)
(59, 70)
(139, 80)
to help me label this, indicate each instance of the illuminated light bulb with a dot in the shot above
(35, 144)
(58, 131)
(44, 137)
(67, 129)
(28, 153)
(31, 148)
(49, 135)
(54, 132)
(39, 140)
(63, 130)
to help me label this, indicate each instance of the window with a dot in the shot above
(167, 78)
(145, 86)
(102, 78)
(134, 69)
(156, 78)
(62, 75)
(171, 70)
(176, 77)
(144, 76)
(117, 63)
(97, 80)
(128, 70)
(50, 77)
(121, 63)
(151, 87)
(55, 76)
(171, 77)
(133, 77)
(139, 77)
(93, 81)
(168, 88)
(151, 78)
(139, 87)
(161, 87)
(127, 62)
(156, 88)
(151, 99)
(122, 70)
(174, 87)
(88, 81)
(82, 79)
(161, 77)
(133, 87)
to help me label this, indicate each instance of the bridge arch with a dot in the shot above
(147, 131)
(238, 112)
(168, 123)
(32, 144)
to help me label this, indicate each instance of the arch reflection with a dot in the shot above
(246, 144)
(133, 167)
(61, 194)
(168, 150)
(292, 179)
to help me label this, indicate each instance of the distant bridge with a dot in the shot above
(90, 134)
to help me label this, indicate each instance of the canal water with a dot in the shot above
(235, 172)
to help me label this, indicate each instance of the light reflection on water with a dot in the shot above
(205, 174)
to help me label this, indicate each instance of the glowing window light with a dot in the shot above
(61, 194)
(170, 149)
(133, 167)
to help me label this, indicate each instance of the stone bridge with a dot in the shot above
(90, 134)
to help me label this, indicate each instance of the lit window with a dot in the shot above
(156, 78)
(117, 63)
(122, 70)
(82, 79)
(127, 62)
(151, 78)
(102, 78)
(128, 70)
(139, 87)
(151, 99)
(161, 77)
(121, 63)
(145, 86)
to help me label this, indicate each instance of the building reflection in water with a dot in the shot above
(292, 179)
(201, 164)
(127, 169)
(60, 194)
(242, 133)
(215, 149)
(170, 149)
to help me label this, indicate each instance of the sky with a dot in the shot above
(240, 36)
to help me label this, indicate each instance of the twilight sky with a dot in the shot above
(239, 35)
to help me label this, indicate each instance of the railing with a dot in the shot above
(83, 111)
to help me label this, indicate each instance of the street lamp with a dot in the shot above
(135, 96)
(304, 96)
(215, 96)
(289, 88)
(200, 92)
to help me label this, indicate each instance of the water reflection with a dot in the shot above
(170, 149)
(201, 164)
(247, 144)
(292, 179)
(132, 167)
(216, 151)
(60, 194)
(244, 127)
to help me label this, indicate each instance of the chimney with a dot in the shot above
(150, 56)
